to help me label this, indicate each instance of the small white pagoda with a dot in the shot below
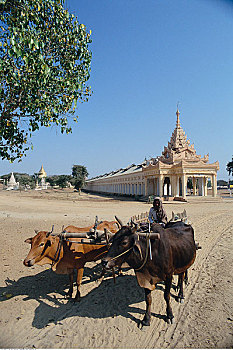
(12, 184)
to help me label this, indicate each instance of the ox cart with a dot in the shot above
(143, 217)
(79, 247)
(97, 237)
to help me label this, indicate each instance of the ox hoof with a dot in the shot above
(170, 320)
(76, 300)
(68, 295)
(142, 324)
(180, 300)
(99, 280)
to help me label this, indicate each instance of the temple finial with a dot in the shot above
(177, 114)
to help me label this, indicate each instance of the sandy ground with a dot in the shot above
(35, 314)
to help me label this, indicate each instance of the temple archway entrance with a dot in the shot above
(180, 187)
(167, 187)
(190, 190)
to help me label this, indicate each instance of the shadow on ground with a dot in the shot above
(104, 300)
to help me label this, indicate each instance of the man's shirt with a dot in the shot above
(152, 215)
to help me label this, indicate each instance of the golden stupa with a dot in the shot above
(42, 173)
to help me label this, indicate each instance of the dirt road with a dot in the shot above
(34, 312)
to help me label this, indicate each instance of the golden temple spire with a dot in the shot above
(42, 172)
(178, 119)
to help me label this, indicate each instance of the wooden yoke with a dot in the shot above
(101, 235)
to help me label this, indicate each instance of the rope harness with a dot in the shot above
(147, 250)
(61, 239)
(126, 251)
(58, 252)
(148, 244)
(148, 247)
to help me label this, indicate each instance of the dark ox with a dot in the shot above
(173, 252)
(66, 256)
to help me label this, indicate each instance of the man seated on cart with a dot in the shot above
(157, 213)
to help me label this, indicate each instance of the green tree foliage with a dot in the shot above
(23, 179)
(222, 183)
(230, 167)
(59, 180)
(79, 173)
(44, 69)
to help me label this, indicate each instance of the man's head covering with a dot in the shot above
(157, 199)
(160, 212)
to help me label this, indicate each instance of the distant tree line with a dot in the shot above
(222, 183)
(76, 179)
(230, 167)
(23, 179)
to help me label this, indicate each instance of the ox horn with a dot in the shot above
(48, 233)
(119, 221)
(96, 223)
(132, 223)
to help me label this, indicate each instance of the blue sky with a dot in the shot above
(147, 56)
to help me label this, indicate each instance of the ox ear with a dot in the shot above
(28, 240)
(137, 248)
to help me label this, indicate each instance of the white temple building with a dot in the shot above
(165, 175)
(12, 184)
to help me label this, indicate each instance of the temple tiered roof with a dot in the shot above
(42, 172)
(179, 147)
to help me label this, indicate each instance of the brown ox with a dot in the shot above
(67, 256)
(112, 226)
(172, 252)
